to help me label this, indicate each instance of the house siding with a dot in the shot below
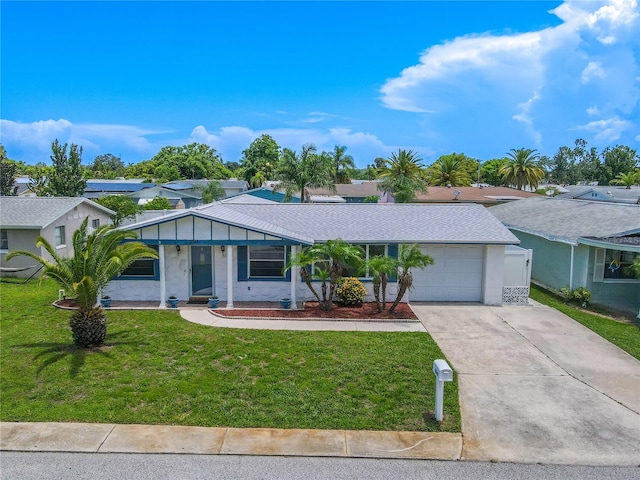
(552, 268)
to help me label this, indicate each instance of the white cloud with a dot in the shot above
(593, 111)
(522, 79)
(607, 130)
(591, 71)
(31, 142)
(231, 141)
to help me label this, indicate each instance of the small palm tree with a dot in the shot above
(403, 175)
(339, 255)
(627, 179)
(97, 258)
(380, 267)
(522, 169)
(212, 191)
(410, 257)
(304, 260)
(634, 268)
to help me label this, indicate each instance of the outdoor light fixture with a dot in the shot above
(178, 248)
(222, 248)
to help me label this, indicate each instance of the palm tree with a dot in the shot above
(97, 258)
(343, 165)
(211, 191)
(304, 260)
(299, 173)
(448, 170)
(522, 169)
(410, 257)
(339, 255)
(634, 268)
(627, 179)
(380, 267)
(403, 175)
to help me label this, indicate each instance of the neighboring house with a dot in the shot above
(193, 187)
(610, 193)
(238, 251)
(579, 243)
(350, 192)
(267, 193)
(177, 199)
(97, 188)
(484, 195)
(24, 219)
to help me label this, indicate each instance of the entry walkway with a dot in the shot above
(204, 317)
(536, 386)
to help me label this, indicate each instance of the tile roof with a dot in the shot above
(364, 189)
(38, 212)
(567, 219)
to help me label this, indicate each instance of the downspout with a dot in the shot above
(571, 268)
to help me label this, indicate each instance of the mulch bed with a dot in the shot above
(367, 311)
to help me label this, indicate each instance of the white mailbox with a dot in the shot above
(443, 373)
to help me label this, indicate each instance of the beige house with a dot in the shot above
(24, 219)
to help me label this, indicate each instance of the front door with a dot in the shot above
(201, 278)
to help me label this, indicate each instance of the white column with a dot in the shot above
(163, 278)
(230, 249)
(294, 279)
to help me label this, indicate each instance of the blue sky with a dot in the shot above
(476, 77)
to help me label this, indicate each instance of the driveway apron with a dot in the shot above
(536, 386)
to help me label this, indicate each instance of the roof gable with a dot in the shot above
(38, 212)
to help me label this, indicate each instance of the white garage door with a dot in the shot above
(455, 276)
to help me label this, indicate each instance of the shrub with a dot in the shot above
(351, 291)
(579, 296)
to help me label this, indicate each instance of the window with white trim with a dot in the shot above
(617, 263)
(59, 236)
(370, 251)
(266, 261)
(4, 240)
(95, 223)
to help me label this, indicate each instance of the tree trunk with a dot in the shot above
(383, 281)
(323, 304)
(304, 274)
(376, 294)
(89, 327)
(405, 281)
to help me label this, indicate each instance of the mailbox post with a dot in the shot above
(443, 373)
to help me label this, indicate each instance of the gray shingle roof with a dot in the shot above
(38, 212)
(567, 219)
(360, 223)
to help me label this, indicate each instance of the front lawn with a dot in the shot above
(160, 369)
(625, 335)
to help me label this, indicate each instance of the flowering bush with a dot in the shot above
(351, 291)
(580, 295)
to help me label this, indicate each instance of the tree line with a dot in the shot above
(402, 173)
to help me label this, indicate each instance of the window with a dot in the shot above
(4, 240)
(144, 268)
(95, 223)
(60, 239)
(266, 261)
(616, 264)
(370, 251)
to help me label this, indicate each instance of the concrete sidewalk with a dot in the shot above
(204, 317)
(109, 438)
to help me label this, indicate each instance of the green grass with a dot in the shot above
(160, 369)
(625, 335)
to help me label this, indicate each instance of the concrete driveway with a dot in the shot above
(536, 386)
